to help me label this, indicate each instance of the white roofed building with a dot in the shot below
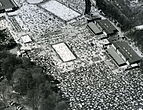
(26, 39)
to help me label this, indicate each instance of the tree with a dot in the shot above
(6, 42)
(22, 81)
(26, 63)
(3, 87)
(2, 105)
(49, 102)
(29, 81)
(37, 73)
(111, 10)
(2, 35)
(62, 105)
(9, 65)
(87, 7)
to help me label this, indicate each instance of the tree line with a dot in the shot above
(114, 12)
(28, 80)
(6, 42)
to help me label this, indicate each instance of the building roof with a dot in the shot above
(112, 52)
(6, 4)
(127, 51)
(94, 28)
(26, 39)
(105, 41)
(64, 52)
(107, 26)
(60, 10)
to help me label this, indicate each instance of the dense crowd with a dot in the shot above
(87, 81)
(38, 21)
(96, 87)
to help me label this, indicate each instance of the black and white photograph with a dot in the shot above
(71, 54)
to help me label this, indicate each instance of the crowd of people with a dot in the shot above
(87, 82)
(38, 21)
(97, 87)
(3, 23)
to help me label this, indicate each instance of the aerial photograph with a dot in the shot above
(71, 54)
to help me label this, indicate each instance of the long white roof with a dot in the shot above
(64, 52)
(26, 39)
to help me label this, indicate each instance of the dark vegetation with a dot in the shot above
(137, 37)
(40, 91)
(87, 7)
(127, 17)
(6, 41)
(121, 11)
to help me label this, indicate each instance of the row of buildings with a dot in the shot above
(119, 50)
(99, 26)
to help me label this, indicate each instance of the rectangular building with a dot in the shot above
(130, 55)
(107, 26)
(60, 10)
(105, 42)
(116, 57)
(92, 26)
(26, 39)
(64, 52)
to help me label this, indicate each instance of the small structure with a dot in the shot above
(93, 27)
(107, 26)
(27, 48)
(26, 39)
(7, 6)
(105, 42)
(116, 57)
(64, 52)
(34, 1)
(139, 27)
